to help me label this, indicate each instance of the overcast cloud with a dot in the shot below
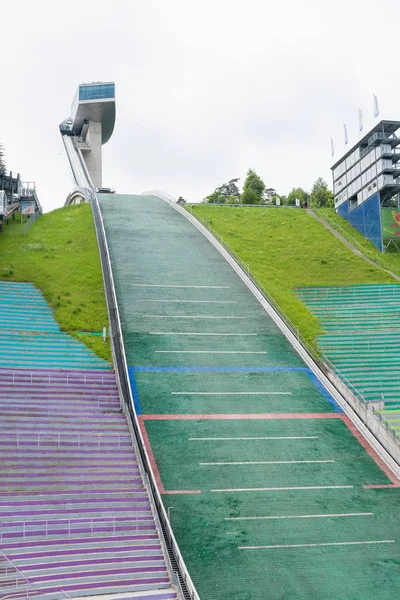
(205, 89)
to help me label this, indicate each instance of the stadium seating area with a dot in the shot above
(362, 339)
(32, 338)
(75, 517)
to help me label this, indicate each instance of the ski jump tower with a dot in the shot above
(89, 127)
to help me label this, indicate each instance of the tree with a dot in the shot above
(299, 193)
(231, 189)
(250, 196)
(253, 188)
(227, 193)
(269, 194)
(217, 197)
(321, 195)
(2, 160)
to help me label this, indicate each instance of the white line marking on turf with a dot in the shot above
(283, 489)
(163, 285)
(269, 462)
(317, 545)
(195, 333)
(299, 516)
(232, 393)
(229, 439)
(194, 301)
(206, 352)
(188, 317)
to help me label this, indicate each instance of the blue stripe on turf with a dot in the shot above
(321, 388)
(135, 391)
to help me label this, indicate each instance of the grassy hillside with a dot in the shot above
(59, 256)
(286, 249)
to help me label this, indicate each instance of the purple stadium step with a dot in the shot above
(57, 393)
(134, 560)
(17, 472)
(74, 531)
(18, 460)
(126, 498)
(76, 511)
(46, 420)
(105, 587)
(94, 545)
(38, 479)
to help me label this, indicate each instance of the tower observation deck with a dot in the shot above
(366, 185)
(90, 125)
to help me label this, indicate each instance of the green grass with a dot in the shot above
(287, 249)
(59, 255)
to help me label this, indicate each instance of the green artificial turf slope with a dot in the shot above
(59, 255)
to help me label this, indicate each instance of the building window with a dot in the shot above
(97, 91)
(353, 203)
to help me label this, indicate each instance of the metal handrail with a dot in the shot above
(37, 438)
(69, 526)
(33, 378)
(17, 577)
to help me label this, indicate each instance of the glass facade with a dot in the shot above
(97, 91)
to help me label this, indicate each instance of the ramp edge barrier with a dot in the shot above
(174, 559)
(378, 435)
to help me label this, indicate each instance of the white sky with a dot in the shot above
(205, 89)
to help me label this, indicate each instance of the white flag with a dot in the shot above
(376, 106)
(346, 139)
(332, 147)
(360, 120)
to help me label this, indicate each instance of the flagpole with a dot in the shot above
(376, 108)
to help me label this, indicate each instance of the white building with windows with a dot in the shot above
(367, 179)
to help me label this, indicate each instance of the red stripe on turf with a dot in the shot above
(182, 492)
(375, 457)
(382, 487)
(153, 464)
(202, 417)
